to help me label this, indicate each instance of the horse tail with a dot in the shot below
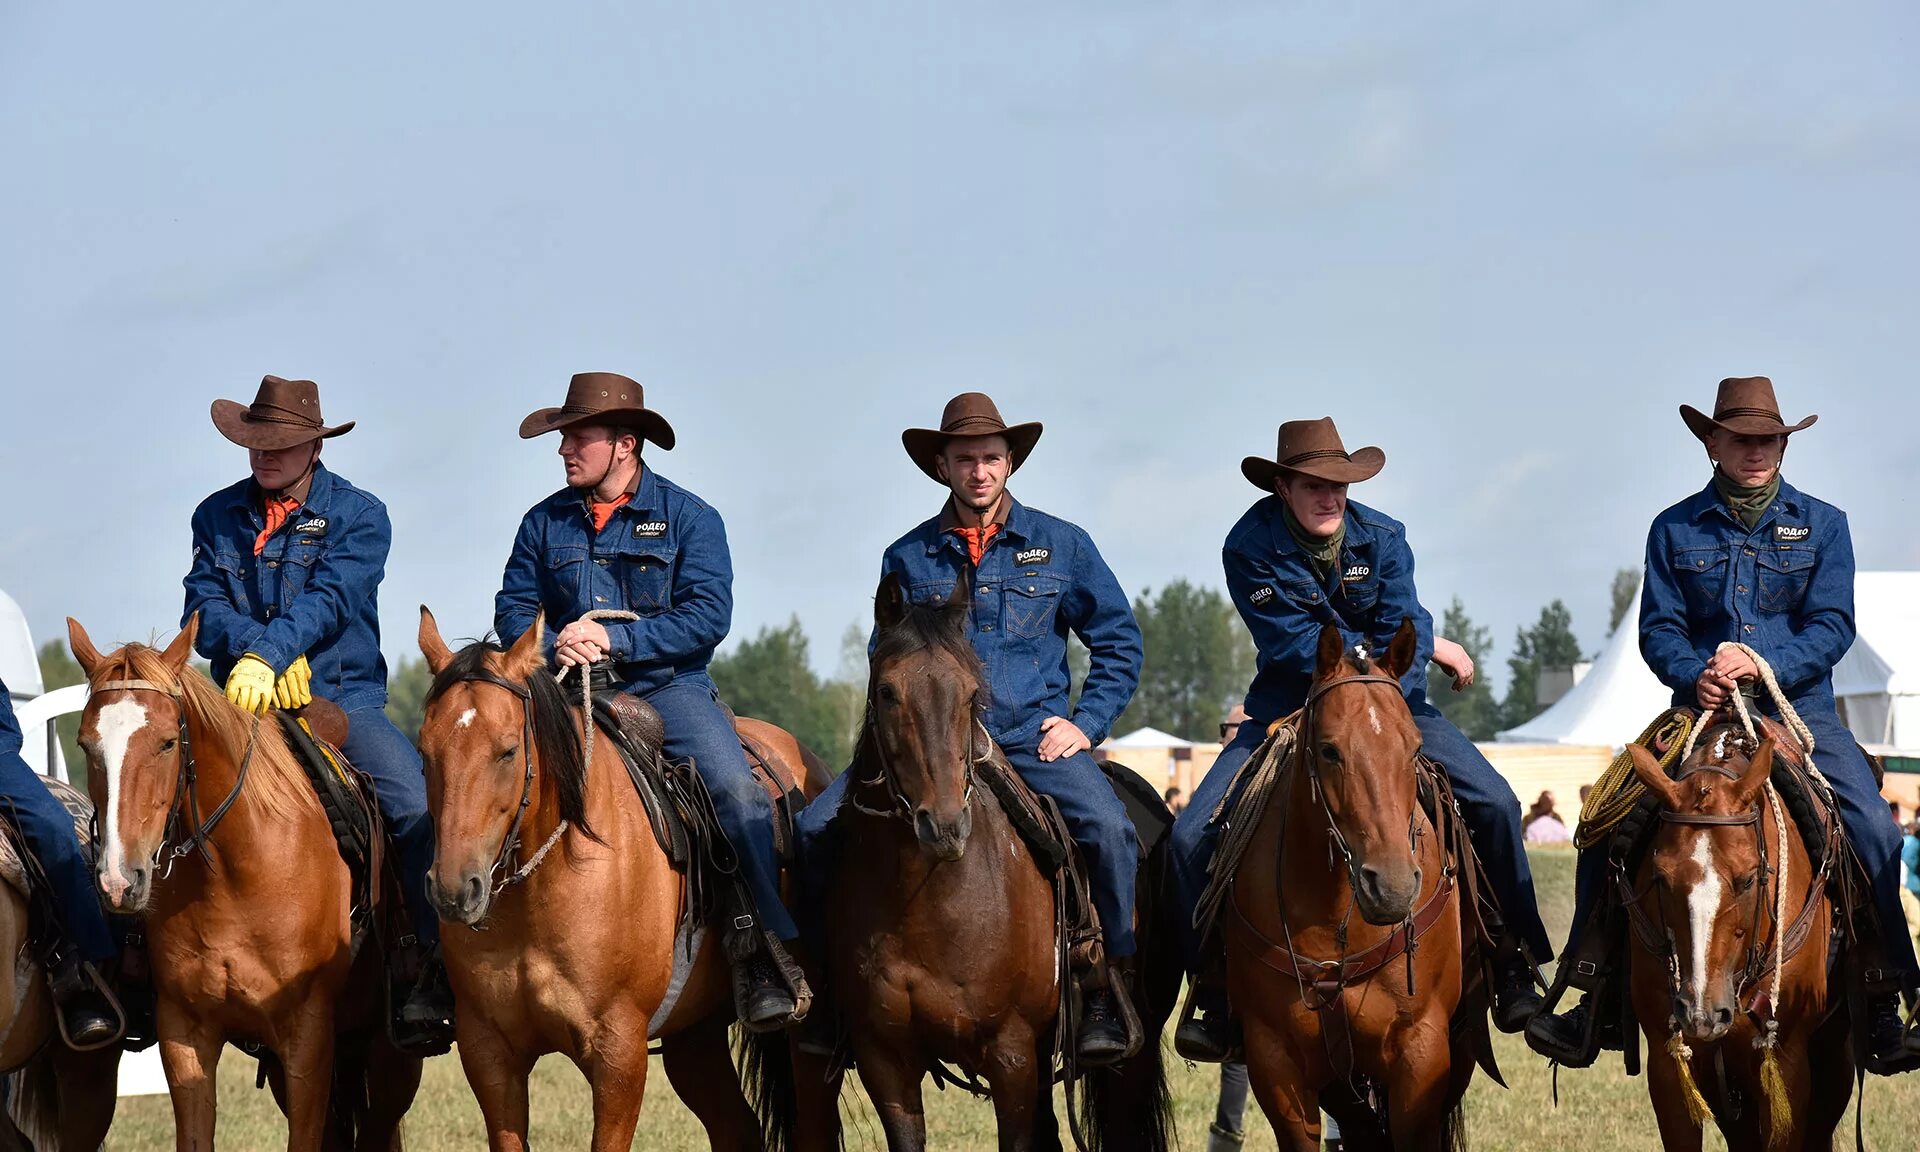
(1129, 1105)
(766, 1075)
(347, 1099)
(33, 1104)
(1453, 1129)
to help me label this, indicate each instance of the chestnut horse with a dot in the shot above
(212, 834)
(944, 945)
(1325, 997)
(575, 952)
(1731, 928)
(56, 1098)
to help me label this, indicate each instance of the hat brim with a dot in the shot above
(1703, 425)
(1362, 464)
(924, 445)
(230, 417)
(650, 425)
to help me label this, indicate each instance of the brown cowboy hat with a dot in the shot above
(969, 414)
(602, 398)
(1313, 448)
(284, 413)
(1744, 407)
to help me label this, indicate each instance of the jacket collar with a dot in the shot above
(1358, 534)
(1704, 502)
(248, 495)
(1016, 524)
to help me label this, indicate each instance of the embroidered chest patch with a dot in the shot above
(1033, 556)
(1260, 597)
(650, 529)
(1356, 573)
(1791, 533)
(312, 526)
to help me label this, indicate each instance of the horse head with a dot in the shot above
(131, 733)
(924, 695)
(1358, 745)
(1708, 868)
(495, 721)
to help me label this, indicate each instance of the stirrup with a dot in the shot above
(80, 980)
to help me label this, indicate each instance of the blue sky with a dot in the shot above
(1501, 241)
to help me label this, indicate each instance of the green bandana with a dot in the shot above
(1749, 504)
(1323, 551)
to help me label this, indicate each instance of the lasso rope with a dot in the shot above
(1618, 790)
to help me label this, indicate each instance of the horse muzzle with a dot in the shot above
(1384, 896)
(466, 902)
(1702, 1023)
(126, 887)
(946, 839)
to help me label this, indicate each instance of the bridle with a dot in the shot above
(185, 805)
(1337, 840)
(503, 874)
(885, 778)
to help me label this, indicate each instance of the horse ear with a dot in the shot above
(181, 650)
(529, 653)
(1653, 776)
(83, 649)
(889, 603)
(1333, 650)
(962, 595)
(1759, 771)
(431, 645)
(1400, 653)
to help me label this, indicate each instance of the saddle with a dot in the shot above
(18, 867)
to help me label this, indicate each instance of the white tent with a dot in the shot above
(1612, 703)
(1148, 738)
(19, 663)
(1878, 680)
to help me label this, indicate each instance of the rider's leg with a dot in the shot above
(698, 730)
(816, 834)
(424, 1023)
(1206, 1029)
(1492, 813)
(47, 828)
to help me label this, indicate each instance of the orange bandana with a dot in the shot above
(604, 512)
(277, 513)
(977, 540)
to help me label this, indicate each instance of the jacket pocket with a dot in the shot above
(566, 581)
(296, 570)
(647, 577)
(1030, 605)
(1784, 575)
(1702, 574)
(233, 573)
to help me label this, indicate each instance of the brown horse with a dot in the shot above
(944, 945)
(1325, 997)
(576, 953)
(211, 833)
(56, 1098)
(1731, 927)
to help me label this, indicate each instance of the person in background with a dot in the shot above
(1173, 800)
(1544, 825)
(1909, 869)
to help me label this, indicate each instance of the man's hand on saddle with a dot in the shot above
(1454, 661)
(1061, 737)
(581, 642)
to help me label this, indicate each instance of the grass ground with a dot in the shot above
(1599, 1108)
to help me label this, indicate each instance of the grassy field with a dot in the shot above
(1599, 1108)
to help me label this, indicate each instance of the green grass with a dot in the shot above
(1599, 1109)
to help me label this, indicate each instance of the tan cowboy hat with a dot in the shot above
(1744, 407)
(601, 398)
(1313, 448)
(284, 413)
(969, 414)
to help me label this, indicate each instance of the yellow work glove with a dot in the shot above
(294, 689)
(250, 684)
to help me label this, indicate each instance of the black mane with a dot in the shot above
(939, 627)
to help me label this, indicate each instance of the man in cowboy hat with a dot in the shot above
(1303, 557)
(286, 577)
(1750, 559)
(1036, 578)
(622, 538)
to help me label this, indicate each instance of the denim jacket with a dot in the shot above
(1785, 588)
(1285, 603)
(1039, 578)
(313, 591)
(663, 555)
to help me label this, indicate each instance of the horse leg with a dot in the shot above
(1046, 1126)
(393, 1079)
(88, 1084)
(190, 1054)
(1278, 1084)
(498, 1076)
(1014, 1080)
(700, 1068)
(1420, 1088)
(892, 1080)
(307, 1061)
(1827, 1068)
(816, 1102)
(1678, 1132)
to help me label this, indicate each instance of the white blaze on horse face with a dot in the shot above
(1703, 910)
(116, 725)
(466, 718)
(1373, 717)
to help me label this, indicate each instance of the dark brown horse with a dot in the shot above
(1731, 927)
(245, 899)
(574, 950)
(944, 945)
(1316, 962)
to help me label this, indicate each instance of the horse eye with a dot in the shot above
(1329, 752)
(1744, 884)
(888, 695)
(507, 756)
(168, 744)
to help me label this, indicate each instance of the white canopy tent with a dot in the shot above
(1612, 703)
(1146, 738)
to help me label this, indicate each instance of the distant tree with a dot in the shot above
(58, 669)
(1079, 661)
(1475, 712)
(1198, 660)
(1626, 585)
(771, 678)
(407, 688)
(1550, 643)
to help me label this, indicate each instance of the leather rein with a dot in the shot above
(185, 805)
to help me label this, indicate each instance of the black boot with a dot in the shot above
(1103, 1034)
(1516, 994)
(424, 1024)
(766, 1002)
(1208, 1032)
(1568, 1038)
(1889, 1050)
(89, 1019)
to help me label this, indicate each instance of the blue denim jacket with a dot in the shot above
(1039, 578)
(313, 591)
(1285, 602)
(11, 738)
(663, 555)
(1785, 588)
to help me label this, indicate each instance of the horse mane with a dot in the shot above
(276, 778)
(938, 627)
(556, 732)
